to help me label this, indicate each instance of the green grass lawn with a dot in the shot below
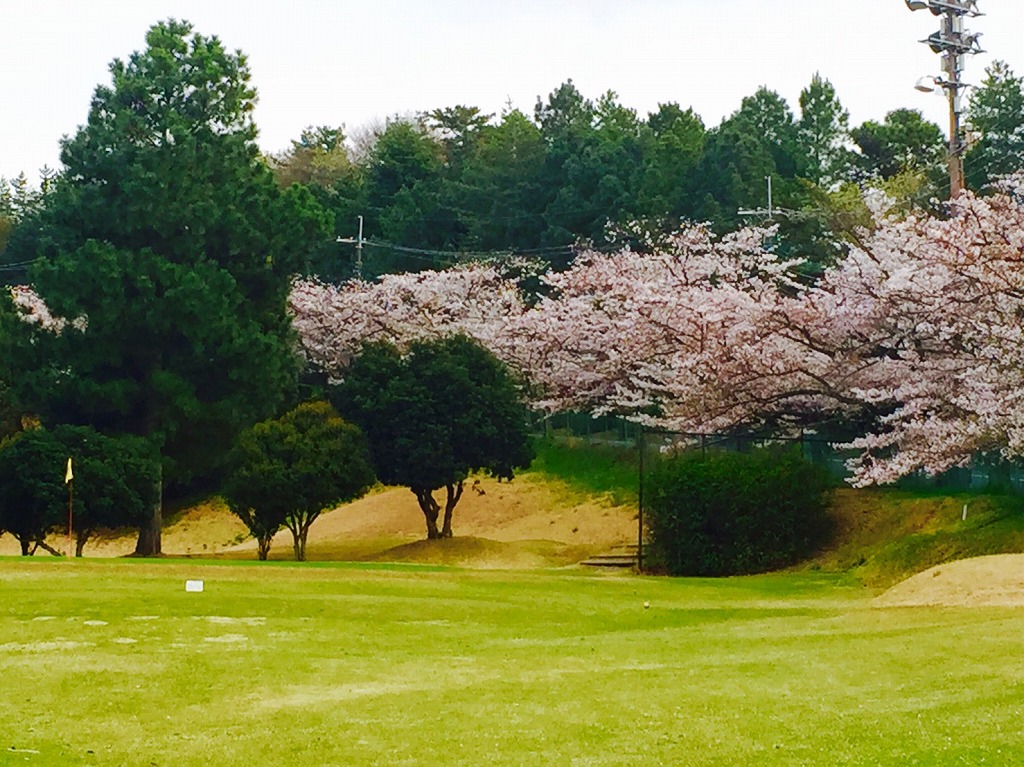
(589, 470)
(113, 663)
(887, 535)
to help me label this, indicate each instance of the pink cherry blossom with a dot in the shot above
(333, 322)
(34, 311)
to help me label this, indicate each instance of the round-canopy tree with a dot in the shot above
(114, 483)
(287, 470)
(115, 480)
(170, 244)
(33, 499)
(446, 409)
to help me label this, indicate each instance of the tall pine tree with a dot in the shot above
(997, 116)
(823, 134)
(170, 241)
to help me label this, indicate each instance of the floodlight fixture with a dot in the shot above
(938, 7)
(958, 43)
(972, 42)
(953, 43)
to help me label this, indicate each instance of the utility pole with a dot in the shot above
(953, 43)
(358, 241)
(768, 212)
(359, 251)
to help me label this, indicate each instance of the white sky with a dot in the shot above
(330, 62)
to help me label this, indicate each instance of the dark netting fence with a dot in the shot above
(986, 472)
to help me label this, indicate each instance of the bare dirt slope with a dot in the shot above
(530, 522)
(526, 523)
(993, 581)
(525, 509)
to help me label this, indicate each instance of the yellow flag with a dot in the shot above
(69, 475)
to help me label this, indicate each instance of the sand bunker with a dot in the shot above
(995, 581)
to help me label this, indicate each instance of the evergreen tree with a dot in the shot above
(115, 480)
(502, 186)
(823, 134)
(594, 165)
(443, 411)
(286, 471)
(169, 240)
(18, 202)
(459, 129)
(997, 114)
(757, 141)
(402, 197)
(33, 498)
(566, 123)
(671, 161)
(317, 157)
(903, 142)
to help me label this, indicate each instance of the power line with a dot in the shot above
(433, 255)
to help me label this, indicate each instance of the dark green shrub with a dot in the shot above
(734, 513)
(288, 470)
(434, 415)
(115, 483)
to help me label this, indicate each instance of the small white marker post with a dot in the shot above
(963, 516)
(194, 586)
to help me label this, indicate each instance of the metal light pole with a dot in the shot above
(953, 43)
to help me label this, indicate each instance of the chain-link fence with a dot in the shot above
(986, 472)
(643, 447)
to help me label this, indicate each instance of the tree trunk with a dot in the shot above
(454, 493)
(25, 551)
(298, 538)
(81, 537)
(431, 509)
(47, 547)
(299, 523)
(148, 544)
(299, 544)
(263, 542)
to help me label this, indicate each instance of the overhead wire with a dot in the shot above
(18, 265)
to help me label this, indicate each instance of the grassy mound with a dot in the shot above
(885, 535)
(534, 521)
(993, 581)
(579, 500)
(607, 472)
(486, 554)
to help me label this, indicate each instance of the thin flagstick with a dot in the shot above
(70, 508)
(69, 480)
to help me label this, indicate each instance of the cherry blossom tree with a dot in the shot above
(334, 322)
(34, 311)
(918, 330)
(661, 337)
(675, 335)
(927, 316)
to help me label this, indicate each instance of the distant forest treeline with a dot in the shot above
(456, 182)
